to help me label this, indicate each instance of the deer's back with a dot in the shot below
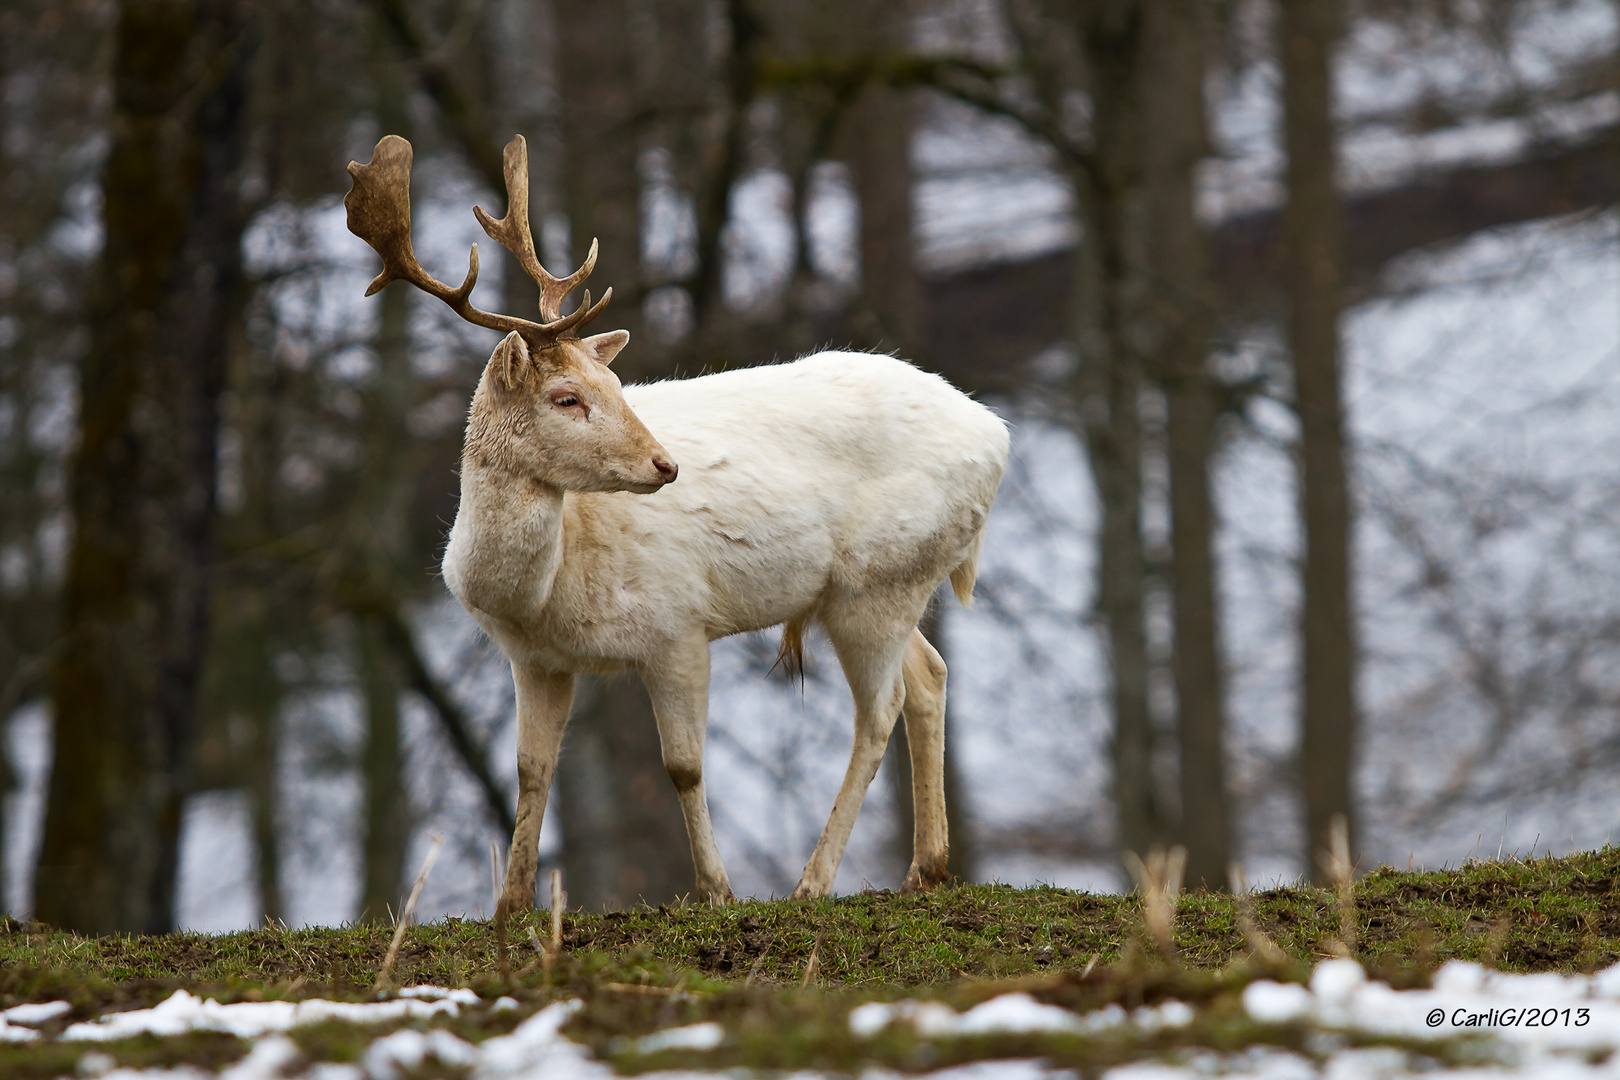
(840, 472)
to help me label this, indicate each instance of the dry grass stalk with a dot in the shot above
(405, 916)
(543, 957)
(1158, 877)
(1340, 869)
(759, 962)
(1259, 943)
(559, 901)
(810, 966)
(548, 953)
(495, 874)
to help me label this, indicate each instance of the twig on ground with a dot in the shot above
(405, 916)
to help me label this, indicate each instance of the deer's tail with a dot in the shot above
(967, 571)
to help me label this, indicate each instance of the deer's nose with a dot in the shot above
(666, 469)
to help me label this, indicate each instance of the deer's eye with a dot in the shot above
(565, 401)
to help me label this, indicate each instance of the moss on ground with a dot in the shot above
(48, 1061)
(647, 968)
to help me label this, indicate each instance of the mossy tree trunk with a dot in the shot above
(1180, 306)
(1313, 252)
(1110, 333)
(386, 827)
(124, 688)
(377, 534)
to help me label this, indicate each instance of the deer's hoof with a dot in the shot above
(807, 891)
(517, 902)
(925, 876)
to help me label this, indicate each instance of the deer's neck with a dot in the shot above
(506, 544)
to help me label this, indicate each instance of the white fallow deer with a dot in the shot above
(838, 491)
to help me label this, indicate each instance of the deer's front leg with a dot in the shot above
(543, 701)
(678, 684)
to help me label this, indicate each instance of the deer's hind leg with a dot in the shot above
(872, 663)
(923, 671)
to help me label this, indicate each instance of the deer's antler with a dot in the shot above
(379, 207)
(512, 233)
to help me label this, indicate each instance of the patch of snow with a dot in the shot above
(1018, 1013)
(461, 995)
(1336, 980)
(36, 1013)
(1544, 1012)
(1276, 1003)
(268, 1060)
(1167, 1014)
(184, 1012)
(393, 1056)
(692, 1037)
(1009, 1013)
(536, 1047)
(14, 1033)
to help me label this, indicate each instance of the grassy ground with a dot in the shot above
(643, 969)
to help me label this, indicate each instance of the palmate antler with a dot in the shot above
(379, 207)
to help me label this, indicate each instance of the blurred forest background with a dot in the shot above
(1306, 315)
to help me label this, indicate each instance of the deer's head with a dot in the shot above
(547, 407)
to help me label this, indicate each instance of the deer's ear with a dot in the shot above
(606, 346)
(511, 362)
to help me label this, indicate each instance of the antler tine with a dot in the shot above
(560, 289)
(512, 232)
(593, 312)
(379, 208)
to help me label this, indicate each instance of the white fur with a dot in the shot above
(839, 489)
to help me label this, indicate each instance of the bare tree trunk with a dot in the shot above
(248, 611)
(265, 792)
(1181, 306)
(1313, 246)
(624, 837)
(386, 814)
(376, 533)
(602, 188)
(1109, 331)
(242, 687)
(714, 199)
(124, 691)
(877, 140)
